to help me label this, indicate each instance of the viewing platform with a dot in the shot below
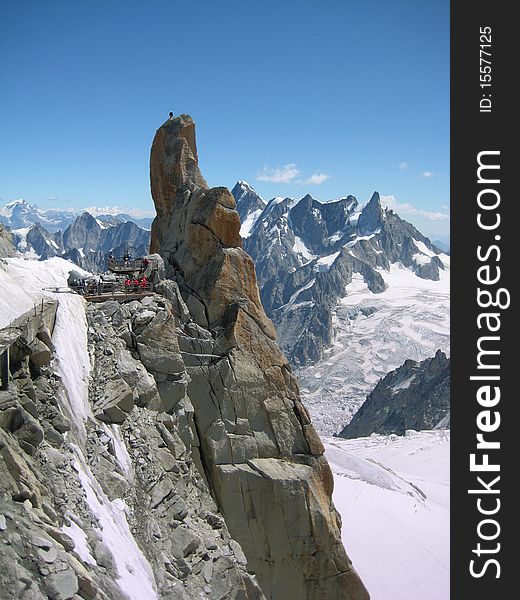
(127, 279)
(118, 290)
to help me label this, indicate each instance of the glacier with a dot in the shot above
(374, 334)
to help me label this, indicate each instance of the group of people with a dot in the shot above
(136, 284)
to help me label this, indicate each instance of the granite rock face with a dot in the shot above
(165, 453)
(6, 242)
(414, 396)
(256, 446)
(100, 493)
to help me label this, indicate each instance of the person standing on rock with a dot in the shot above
(170, 115)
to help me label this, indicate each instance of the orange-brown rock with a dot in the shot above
(258, 448)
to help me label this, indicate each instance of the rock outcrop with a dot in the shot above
(6, 243)
(252, 437)
(414, 396)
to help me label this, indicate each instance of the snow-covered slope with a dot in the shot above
(23, 283)
(374, 334)
(393, 495)
(392, 492)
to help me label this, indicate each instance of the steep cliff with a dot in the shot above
(100, 497)
(258, 450)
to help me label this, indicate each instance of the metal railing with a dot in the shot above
(122, 265)
(110, 288)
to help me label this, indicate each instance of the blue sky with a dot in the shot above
(332, 98)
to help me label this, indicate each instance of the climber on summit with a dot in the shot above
(170, 115)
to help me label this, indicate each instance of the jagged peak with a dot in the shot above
(84, 220)
(371, 217)
(196, 231)
(375, 199)
(242, 189)
(373, 203)
(307, 197)
(440, 355)
(286, 202)
(245, 186)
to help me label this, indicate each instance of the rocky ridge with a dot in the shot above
(100, 496)
(87, 241)
(414, 396)
(248, 202)
(258, 450)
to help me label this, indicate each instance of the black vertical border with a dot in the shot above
(472, 132)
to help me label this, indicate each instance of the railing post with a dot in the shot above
(4, 369)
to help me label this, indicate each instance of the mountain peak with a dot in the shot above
(16, 206)
(86, 217)
(243, 188)
(19, 202)
(247, 200)
(174, 166)
(244, 185)
(375, 199)
(371, 217)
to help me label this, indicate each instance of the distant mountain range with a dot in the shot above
(353, 291)
(19, 214)
(84, 239)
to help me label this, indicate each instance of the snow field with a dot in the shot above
(393, 496)
(22, 283)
